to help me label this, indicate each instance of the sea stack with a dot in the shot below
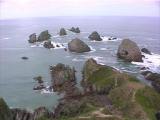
(44, 36)
(129, 51)
(62, 32)
(77, 45)
(95, 36)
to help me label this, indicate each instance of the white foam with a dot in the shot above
(92, 49)
(47, 90)
(6, 38)
(103, 48)
(107, 38)
(150, 61)
(77, 59)
(40, 44)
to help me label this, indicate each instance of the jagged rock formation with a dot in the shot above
(129, 51)
(32, 38)
(77, 45)
(62, 32)
(75, 30)
(95, 36)
(42, 37)
(48, 44)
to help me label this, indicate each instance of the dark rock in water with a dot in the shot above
(38, 79)
(75, 30)
(57, 46)
(5, 113)
(42, 112)
(129, 51)
(145, 50)
(112, 38)
(77, 45)
(62, 32)
(24, 58)
(48, 44)
(44, 36)
(95, 36)
(158, 115)
(65, 49)
(39, 87)
(32, 38)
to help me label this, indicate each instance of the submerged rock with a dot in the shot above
(48, 44)
(77, 45)
(32, 38)
(62, 32)
(95, 36)
(129, 51)
(75, 30)
(24, 58)
(145, 50)
(44, 36)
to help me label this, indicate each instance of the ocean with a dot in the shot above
(16, 75)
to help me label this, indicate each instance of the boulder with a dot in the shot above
(95, 36)
(145, 50)
(48, 44)
(77, 45)
(32, 38)
(129, 51)
(62, 32)
(75, 30)
(44, 36)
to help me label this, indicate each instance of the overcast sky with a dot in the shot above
(40, 8)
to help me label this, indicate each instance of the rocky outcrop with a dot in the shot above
(75, 30)
(5, 113)
(21, 114)
(99, 78)
(145, 50)
(129, 51)
(44, 36)
(63, 79)
(77, 45)
(95, 36)
(48, 44)
(154, 77)
(62, 32)
(32, 38)
(42, 112)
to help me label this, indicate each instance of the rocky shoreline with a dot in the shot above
(106, 94)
